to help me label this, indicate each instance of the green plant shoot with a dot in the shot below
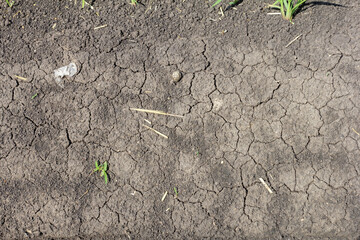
(10, 4)
(102, 168)
(134, 2)
(34, 96)
(176, 192)
(287, 7)
(230, 3)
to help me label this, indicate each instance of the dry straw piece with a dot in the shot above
(163, 198)
(155, 112)
(21, 78)
(147, 121)
(266, 186)
(102, 26)
(163, 135)
(355, 131)
(293, 40)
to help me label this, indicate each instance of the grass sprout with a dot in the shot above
(230, 3)
(134, 2)
(287, 7)
(83, 2)
(102, 168)
(10, 4)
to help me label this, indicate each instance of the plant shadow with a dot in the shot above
(309, 5)
(233, 5)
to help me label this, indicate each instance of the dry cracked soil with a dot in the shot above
(251, 106)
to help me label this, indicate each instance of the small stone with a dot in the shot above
(176, 76)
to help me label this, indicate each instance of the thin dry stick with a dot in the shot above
(355, 131)
(21, 78)
(163, 198)
(221, 12)
(163, 135)
(102, 26)
(293, 40)
(266, 186)
(84, 194)
(155, 112)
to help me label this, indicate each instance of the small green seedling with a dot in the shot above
(176, 192)
(83, 2)
(102, 168)
(287, 7)
(10, 3)
(134, 2)
(230, 3)
(34, 96)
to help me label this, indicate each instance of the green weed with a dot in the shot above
(83, 2)
(34, 96)
(176, 192)
(134, 2)
(287, 7)
(10, 3)
(102, 168)
(230, 3)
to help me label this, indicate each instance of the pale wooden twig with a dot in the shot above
(84, 194)
(355, 131)
(102, 26)
(293, 40)
(221, 12)
(163, 135)
(21, 78)
(163, 198)
(155, 112)
(266, 186)
(147, 121)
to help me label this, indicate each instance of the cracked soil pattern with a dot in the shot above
(252, 109)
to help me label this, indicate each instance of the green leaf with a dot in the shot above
(102, 173)
(96, 165)
(216, 3)
(10, 3)
(233, 2)
(287, 4)
(299, 3)
(106, 178)
(105, 166)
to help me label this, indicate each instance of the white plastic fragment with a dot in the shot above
(69, 70)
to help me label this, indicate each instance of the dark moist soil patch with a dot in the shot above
(252, 108)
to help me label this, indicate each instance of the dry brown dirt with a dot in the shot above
(252, 108)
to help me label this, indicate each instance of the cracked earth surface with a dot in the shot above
(252, 109)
